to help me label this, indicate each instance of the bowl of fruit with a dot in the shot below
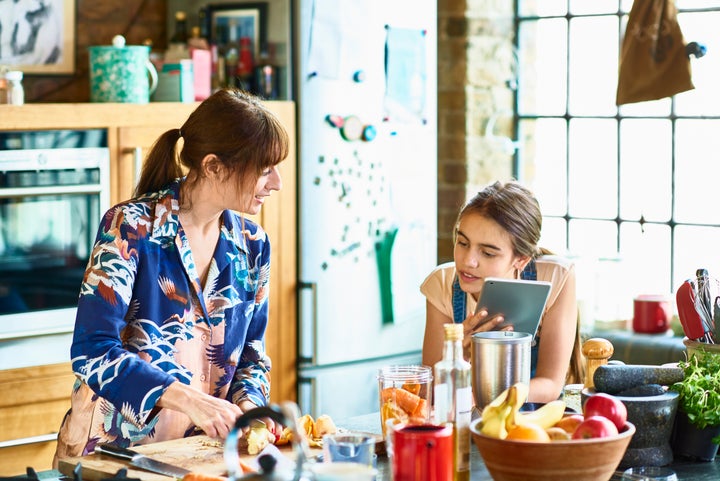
(549, 443)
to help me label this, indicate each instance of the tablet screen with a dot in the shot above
(521, 302)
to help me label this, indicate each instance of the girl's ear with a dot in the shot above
(521, 262)
(211, 166)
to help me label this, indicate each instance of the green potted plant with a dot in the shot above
(696, 433)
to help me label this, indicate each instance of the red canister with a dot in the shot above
(422, 452)
(651, 314)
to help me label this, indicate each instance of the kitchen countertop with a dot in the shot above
(685, 470)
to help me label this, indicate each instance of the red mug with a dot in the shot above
(421, 452)
(651, 314)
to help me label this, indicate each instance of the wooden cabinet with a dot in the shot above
(132, 129)
(33, 403)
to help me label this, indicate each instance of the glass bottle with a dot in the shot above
(180, 35)
(232, 52)
(453, 397)
(245, 65)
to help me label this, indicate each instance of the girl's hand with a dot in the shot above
(480, 322)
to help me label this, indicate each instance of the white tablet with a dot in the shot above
(520, 302)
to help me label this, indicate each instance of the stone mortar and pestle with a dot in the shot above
(651, 407)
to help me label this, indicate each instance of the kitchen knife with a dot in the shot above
(141, 461)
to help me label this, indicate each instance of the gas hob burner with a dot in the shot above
(31, 475)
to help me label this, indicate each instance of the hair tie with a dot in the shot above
(180, 133)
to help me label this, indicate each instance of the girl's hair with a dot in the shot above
(515, 209)
(233, 125)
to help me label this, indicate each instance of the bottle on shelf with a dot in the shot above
(231, 55)
(180, 35)
(178, 45)
(453, 397)
(196, 40)
(267, 75)
(245, 65)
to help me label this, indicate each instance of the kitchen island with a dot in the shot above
(685, 470)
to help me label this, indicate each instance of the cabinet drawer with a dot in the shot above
(15, 460)
(32, 420)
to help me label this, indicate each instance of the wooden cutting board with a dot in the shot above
(199, 454)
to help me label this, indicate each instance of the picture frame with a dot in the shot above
(38, 36)
(249, 20)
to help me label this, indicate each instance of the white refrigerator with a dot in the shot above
(366, 88)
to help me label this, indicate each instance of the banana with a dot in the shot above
(499, 416)
(545, 416)
(496, 423)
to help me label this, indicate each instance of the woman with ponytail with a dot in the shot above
(173, 307)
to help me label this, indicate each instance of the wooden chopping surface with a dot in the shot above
(199, 454)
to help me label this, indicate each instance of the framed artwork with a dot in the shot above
(236, 20)
(38, 36)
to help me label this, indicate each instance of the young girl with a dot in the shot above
(496, 235)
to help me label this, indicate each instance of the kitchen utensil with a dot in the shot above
(421, 452)
(121, 73)
(703, 302)
(690, 319)
(499, 360)
(615, 378)
(141, 461)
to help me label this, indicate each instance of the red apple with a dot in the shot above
(595, 427)
(570, 422)
(602, 404)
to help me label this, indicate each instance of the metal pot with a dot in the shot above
(286, 413)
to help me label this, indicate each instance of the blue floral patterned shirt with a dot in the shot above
(143, 322)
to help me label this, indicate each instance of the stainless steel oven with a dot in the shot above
(54, 188)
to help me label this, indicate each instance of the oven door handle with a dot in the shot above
(13, 192)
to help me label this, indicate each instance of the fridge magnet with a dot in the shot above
(38, 36)
(406, 74)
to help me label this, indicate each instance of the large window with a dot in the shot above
(638, 183)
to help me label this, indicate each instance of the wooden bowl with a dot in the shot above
(576, 460)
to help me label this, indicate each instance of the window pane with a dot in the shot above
(553, 235)
(580, 7)
(646, 170)
(646, 252)
(695, 248)
(681, 4)
(593, 168)
(697, 171)
(542, 7)
(593, 238)
(542, 84)
(543, 165)
(701, 27)
(593, 70)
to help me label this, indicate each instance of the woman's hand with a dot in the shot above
(480, 322)
(273, 427)
(214, 416)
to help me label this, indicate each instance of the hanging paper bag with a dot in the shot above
(653, 61)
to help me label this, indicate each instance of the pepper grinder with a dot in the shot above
(597, 351)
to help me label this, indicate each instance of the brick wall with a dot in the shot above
(475, 63)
